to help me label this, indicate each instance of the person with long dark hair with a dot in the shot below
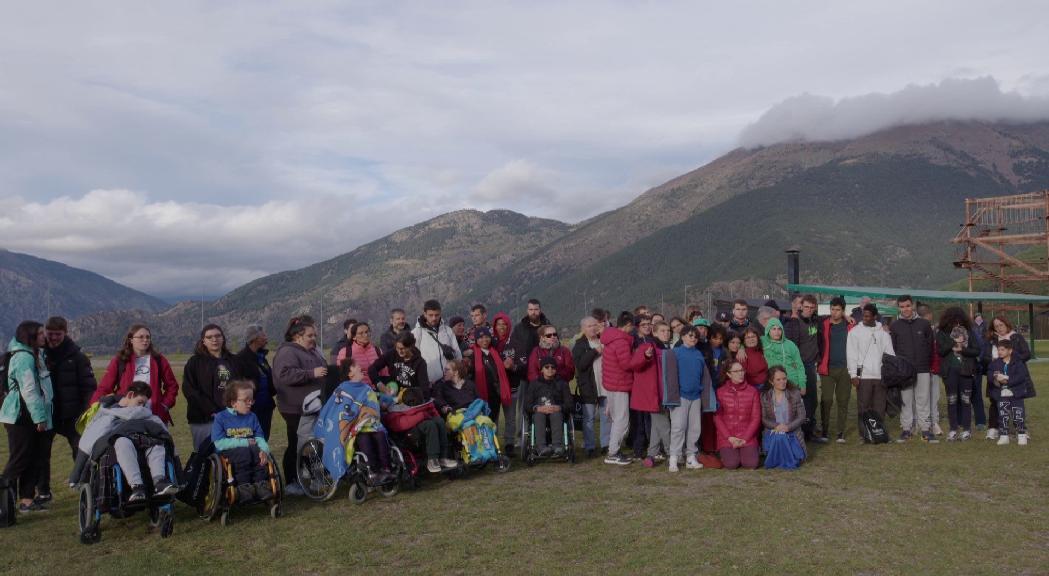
(958, 368)
(139, 360)
(26, 412)
(208, 371)
(298, 369)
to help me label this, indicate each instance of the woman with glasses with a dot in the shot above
(207, 374)
(738, 418)
(550, 346)
(139, 361)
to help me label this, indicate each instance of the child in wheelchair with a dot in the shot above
(139, 429)
(238, 437)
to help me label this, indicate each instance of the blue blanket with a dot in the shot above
(354, 407)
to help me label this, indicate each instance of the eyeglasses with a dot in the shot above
(246, 400)
(736, 371)
(141, 338)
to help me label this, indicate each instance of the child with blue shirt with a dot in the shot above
(238, 436)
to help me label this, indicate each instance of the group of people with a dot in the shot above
(685, 391)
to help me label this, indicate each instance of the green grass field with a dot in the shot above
(960, 509)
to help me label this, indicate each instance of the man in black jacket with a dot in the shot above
(73, 382)
(398, 324)
(523, 339)
(803, 328)
(255, 366)
(586, 355)
(912, 338)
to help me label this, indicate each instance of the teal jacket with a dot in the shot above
(27, 381)
(784, 353)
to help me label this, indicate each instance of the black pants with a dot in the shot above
(67, 428)
(291, 474)
(640, 424)
(959, 410)
(810, 399)
(246, 466)
(494, 405)
(265, 417)
(376, 447)
(25, 448)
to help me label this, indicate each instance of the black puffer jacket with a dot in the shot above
(72, 379)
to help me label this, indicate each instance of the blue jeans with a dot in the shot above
(589, 412)
(606, 427)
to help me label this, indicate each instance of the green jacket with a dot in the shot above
(784, 353)
(27, 381)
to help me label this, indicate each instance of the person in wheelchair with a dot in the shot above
(547, 399)
(357, 408)
(454, 392)
(137, 427)
(238, 436)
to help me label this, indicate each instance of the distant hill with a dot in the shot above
(33, 288)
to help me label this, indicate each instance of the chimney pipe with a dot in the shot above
(793, 269)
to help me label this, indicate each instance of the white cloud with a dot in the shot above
(814, 118)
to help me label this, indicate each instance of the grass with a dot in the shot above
(965, 508)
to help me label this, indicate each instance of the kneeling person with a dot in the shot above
(548, 397)
(123, 416)
(238, 436)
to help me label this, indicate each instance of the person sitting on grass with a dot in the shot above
(1010, 385)
(122, 417)
(238, 436)
(548, 398)
(783, 413)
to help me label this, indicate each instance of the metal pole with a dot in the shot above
(1030, 319)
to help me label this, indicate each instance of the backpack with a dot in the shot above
(874, 428)
(7, 503)
(4, 372)
(897, 371)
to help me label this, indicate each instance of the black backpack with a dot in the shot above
(897, 371)
(874, 428)
(7, 503)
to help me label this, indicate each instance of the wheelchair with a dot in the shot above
(319, 484)
(221, 492)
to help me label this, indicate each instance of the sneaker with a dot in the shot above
(618, 459)
(952, 435)
(164, 488)
(929, 437)
(559, 452)
(589, 454)
(449, 464)
(966, 435)
(650, 462)
(1021, 439)
(659, 457)
(841, 438)
(981, 427)
(992, 434)
(905, 436)
(245, 493)
(43, 498)
(936, 429)
(692, 464)
(34, 506)
(294, 489)
(545, 452)
(137, 494)
(673, 464)
(263, 490)
(1003, 440)
(433, 466)
(822, 440)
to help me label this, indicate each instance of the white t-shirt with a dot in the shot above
(141, 369)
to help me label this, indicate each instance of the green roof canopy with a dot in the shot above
(881, 292)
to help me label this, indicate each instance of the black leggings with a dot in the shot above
(291, 475)
(26, 448)
(375, 446)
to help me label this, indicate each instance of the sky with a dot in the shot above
(182, 147)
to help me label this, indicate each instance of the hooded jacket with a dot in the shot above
(429, 341)
(29, 385)
(202, 387)
(739, 413)
(615, 361)
(505, 342)
(784, 353)
(293, 368)
(409, 375)
(254, 366)
(72, 379)
(824, 368)
(162, 383)
(865, 347)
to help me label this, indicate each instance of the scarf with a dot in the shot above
(481, 375)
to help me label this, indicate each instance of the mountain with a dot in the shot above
(879, 209)
(34, 288)
(440, 258)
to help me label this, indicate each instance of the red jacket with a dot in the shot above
(616, 375)
(565, 366)
(161, 381)
(756, 368)
(646, 390)
(823, 368)
(739, 413)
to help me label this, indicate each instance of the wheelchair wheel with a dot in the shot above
(502, 464)
(225, 519)
(314, 478)
(390, 490)
(87, 516)
(167, 523)
(358, 492)
(529, 457)
(276, 510)
(214, 487)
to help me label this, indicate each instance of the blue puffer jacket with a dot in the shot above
(28, 381)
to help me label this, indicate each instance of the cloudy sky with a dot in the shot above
(182, 146)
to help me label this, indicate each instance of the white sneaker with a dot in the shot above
(992, 434)
(448, 463)
(1021, 439)
(966, 435)
(1003, 440)
(692, 464)
(936, 429)
(952, 435)
(433, 465)
(673, 464)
